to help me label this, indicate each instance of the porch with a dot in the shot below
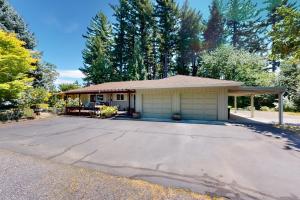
(90, 103)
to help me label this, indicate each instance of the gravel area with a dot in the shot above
(26, 177)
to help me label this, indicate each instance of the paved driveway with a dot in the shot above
(239, 162)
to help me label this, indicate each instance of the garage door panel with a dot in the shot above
(201, 106)
(157, 106)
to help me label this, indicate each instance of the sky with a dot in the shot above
(58, 26)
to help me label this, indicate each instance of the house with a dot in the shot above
(194, 98)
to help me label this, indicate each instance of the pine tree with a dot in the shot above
(96, 55)
(119, 51)
(243, 25)
(188, 42)
(11, 21)
(145, 23)
(214, 33)
(166, 12)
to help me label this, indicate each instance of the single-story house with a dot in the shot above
(193, 98)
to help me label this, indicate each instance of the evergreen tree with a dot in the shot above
(188, 42)
(166, 12)
(11, 21)
(119, 60)
(214, 33)
(96, 55)
(243, 25)
(145, 23)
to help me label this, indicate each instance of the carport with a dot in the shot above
(252, 91)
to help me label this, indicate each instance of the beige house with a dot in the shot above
(193, 98)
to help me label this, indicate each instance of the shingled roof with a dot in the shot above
(178, 81)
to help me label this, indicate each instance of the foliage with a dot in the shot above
(243, 27)
(11, 21)
(96, 55)
(15, 64)
(188, 42)
(108, 111)
(286, 35)
(73, 102)
(44, 75)
(214, 33)
(10, 114)
(166, 12)
(29, 113)
(289, 77)
(229, 63)
(34, 96)
(59, 105)
(68, 86)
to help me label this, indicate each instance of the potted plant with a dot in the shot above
(176, 116)
(136, 115)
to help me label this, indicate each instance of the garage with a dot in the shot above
(199, 106)
(157, 105)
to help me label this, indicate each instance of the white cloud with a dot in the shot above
(61, 81)
(70, 74)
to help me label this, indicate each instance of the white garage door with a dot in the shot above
(201, 106)
(157, 106)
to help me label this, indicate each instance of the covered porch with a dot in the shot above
(252, 92)
(91, 101)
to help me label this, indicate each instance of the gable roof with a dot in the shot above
(178, 81)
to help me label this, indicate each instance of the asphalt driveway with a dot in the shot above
(235, 161)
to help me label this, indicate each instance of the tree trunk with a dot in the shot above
(165, 66)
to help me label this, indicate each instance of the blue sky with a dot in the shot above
(59, 25)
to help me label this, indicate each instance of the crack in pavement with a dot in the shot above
(120, 136)
(204, 180)
(85, 156)
(77, 144)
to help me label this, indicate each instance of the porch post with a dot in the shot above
(129, 103)
(280, 108)
(235, 104)
(79, 103)
(252, 105)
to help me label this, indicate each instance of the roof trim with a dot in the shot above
(252, 90)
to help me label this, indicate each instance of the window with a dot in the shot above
(100, 97)
(120, 97)
(93, 98)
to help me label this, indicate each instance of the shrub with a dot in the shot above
(43, 106)
(73, 102)
(28, 113)
(264, 108)
(108, 111)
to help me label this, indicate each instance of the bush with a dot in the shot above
(43, 106)
(29, 113)
(108, 111)
(73, 102)
(264, 108)
(59, 106)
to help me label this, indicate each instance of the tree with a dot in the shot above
(16, 63)
(44, 75)
(145, 22)
(166, 12)
(96, 56)
(227, 62)
(289, 77)
(214, 33)
(286, 35)
(121, 51)
(243, 25)
(272, 19)
(11, 21)
(188, 43)
(68, 86)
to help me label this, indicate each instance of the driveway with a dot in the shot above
(235, 161)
